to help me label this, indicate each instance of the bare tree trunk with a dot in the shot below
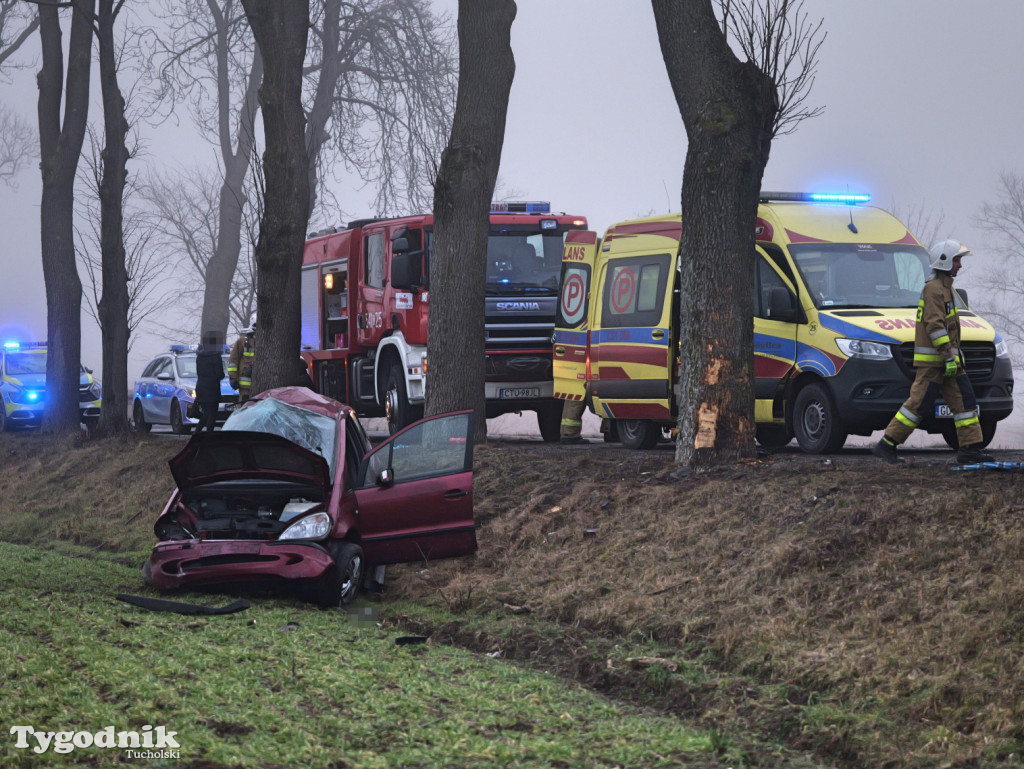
(280, 28)
(60, 147)
(729, 109)
(462, 198)
(112, 308)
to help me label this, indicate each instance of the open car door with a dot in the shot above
(415, 492)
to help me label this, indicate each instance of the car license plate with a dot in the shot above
(942, 411)
(506, 393)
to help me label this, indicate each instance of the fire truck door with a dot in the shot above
(774, 339)
(632, 347)
(572, 324)
(370, 315)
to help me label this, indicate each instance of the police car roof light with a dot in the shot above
(848, 198)
(184, 348)
(521, 207)
(24, 345)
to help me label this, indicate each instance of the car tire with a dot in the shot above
(549, 421)
(397, 409)
(344, 579)
(4, 425)
(139, 423)
(988, 432)
(177, 420)
(773, 437)
(638, 433)
(816, 421)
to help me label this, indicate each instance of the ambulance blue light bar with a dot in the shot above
(521, 207)
(850, 198)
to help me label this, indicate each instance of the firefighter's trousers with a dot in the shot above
(572, 419)
(959, 396)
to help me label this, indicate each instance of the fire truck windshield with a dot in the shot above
(842, 275)
(524, 262)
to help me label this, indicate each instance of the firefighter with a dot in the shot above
(241, 359)
(939, 364)
(572, 422)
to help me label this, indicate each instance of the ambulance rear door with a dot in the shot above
(632, 344)
(572, 323)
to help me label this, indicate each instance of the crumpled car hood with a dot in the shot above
(239, 455)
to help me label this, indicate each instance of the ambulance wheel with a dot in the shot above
(139, 423)
(549, 420)
(816, 421)
(773, 437)
(178, 424)
(397, 409)
(988, 432)
(638, 433)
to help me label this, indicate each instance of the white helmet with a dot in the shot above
(251, 328)
(944, 252)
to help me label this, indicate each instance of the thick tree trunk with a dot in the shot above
(114, 303)
(462, 197)
(280, 28)
(728, 108)
(60, 146)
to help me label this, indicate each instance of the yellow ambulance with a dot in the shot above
(835, 297)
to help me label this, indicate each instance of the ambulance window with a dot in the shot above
(375, 260)
(767, 279)
(634, 291)
(647, 295)
(575, 294)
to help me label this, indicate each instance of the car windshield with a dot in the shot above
(187, 366)
(20, 363)
(848, 275)
(524, 262)
(312, 431)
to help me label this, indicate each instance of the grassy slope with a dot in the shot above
(867, 615)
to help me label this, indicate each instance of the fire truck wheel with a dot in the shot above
(396, 401)
(638, 433)
(988, 432)
(549, 420)
(178, 424)
(139, 423)
(816, 421)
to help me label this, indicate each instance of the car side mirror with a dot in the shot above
(386, 478)
(963, 297)
(406, 270)
(164, 377)
(780, 305)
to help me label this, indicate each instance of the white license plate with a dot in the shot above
(942, 411)
(506, 393)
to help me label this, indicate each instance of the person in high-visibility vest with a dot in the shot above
(241, 359)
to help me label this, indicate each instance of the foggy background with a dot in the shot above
(923, 101)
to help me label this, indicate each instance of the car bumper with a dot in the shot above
(186, 563)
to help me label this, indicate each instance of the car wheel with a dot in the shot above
(816, 421)
(773, 437)
(638, 433)
(178, 424)
(139, 423)
(988, 432)
(397, 409)
(344, 580)
(549, 420)
(4, 426)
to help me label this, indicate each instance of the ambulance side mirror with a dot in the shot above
(963, 297)
(781, 306)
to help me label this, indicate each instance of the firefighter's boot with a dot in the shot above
(973, 455)
(886, 449)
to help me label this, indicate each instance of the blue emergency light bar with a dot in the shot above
(521, 207)
(849, 198)
(26, 345)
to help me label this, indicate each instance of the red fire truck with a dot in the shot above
(366, 294)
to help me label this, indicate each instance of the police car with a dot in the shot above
(23, 387)
(167, 387)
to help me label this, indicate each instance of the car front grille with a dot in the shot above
(979, 358)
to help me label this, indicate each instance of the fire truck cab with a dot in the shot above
(366, 299)
(836, 290)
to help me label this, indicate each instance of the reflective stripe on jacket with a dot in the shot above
(937, 336)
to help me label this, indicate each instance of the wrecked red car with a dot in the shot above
(292, 491)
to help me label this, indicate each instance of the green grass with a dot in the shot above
(243, 690)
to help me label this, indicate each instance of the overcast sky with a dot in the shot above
(924, 107)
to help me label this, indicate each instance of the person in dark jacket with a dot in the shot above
(209, 372)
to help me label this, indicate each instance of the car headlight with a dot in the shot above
(25, 396)
(96, 390)
(1002, 349)
(315, 526)
(861, 348)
